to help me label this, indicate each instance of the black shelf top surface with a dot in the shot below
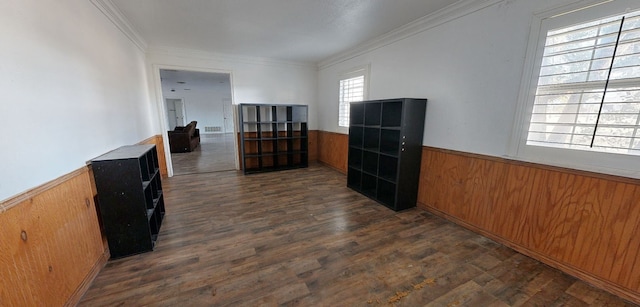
(125, 152)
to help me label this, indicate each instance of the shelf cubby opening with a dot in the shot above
(144, 169)
(354, 178)
(266, 131)
(282, 129)
(265, 114)
(392, 114)
(372, 113)
(355, 158)
(251, 147)
(148, 196)
(386, 192)
(268, 161)
(388, 167)
(296, 144)
(250, 129)
(283, 146)
(299, 114)
(369, 185)
(249, 114)
(370, 162)
(371, 139)
(390, 141)
(283, 159)
(268, 147)
(251, 163)
(356, 136)
(356, 116)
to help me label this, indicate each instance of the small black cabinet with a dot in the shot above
(273, 137)
(130, 198)
(385, 149)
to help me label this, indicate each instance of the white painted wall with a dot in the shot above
(253, 80)
(469, 68)
(203, 103)
(73, 87)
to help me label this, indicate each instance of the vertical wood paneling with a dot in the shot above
(584, 223)
(313, 145)
(51, 243)
(333, 150)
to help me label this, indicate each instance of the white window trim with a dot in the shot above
(608, 163)
(352, 73)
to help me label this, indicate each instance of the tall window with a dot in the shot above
(352, 89)
(588, 87)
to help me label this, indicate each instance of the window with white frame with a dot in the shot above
(588, 89)
(352, 88)
(580, 97)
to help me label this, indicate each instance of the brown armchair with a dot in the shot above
(184, 139)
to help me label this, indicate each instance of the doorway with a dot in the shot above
(206, 99)
(175, 113)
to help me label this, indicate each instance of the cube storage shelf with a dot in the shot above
(273, 137)
(385, 149)
(130, 198)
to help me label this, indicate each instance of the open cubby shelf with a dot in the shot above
(130, 198)
(385, 149)
(273, 137)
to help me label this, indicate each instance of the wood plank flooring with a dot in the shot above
(302, 238)
(215, 153)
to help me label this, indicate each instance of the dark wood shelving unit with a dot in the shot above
(273, 137)
(130, 198)
(385, 149)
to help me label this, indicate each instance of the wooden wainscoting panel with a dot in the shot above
(583, 223)
(162, 160)
(333, 150)
(312, 145)
(51, 244)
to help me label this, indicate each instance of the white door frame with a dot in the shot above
(162, 109)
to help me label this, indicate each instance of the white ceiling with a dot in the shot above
(179, 80)
(292, 30)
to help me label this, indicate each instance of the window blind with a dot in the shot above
(351, 90)
(588, 92)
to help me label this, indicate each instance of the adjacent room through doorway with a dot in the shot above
(200, 121)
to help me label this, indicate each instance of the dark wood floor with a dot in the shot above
(215, 153)
(302, 238)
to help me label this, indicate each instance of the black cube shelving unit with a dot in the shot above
(385, 149)
(130, 198)
(273, 137)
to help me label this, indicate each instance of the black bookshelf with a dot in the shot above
(385, 149)
(273, 137)
(130, 198)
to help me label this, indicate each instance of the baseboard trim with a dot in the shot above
(595, 281)
(341, 171)
(77, 295)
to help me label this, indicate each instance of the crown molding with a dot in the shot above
(120, 21)
(205, 55)
(447, 14)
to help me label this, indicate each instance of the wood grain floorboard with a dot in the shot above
(302, 238)
(216, 152)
